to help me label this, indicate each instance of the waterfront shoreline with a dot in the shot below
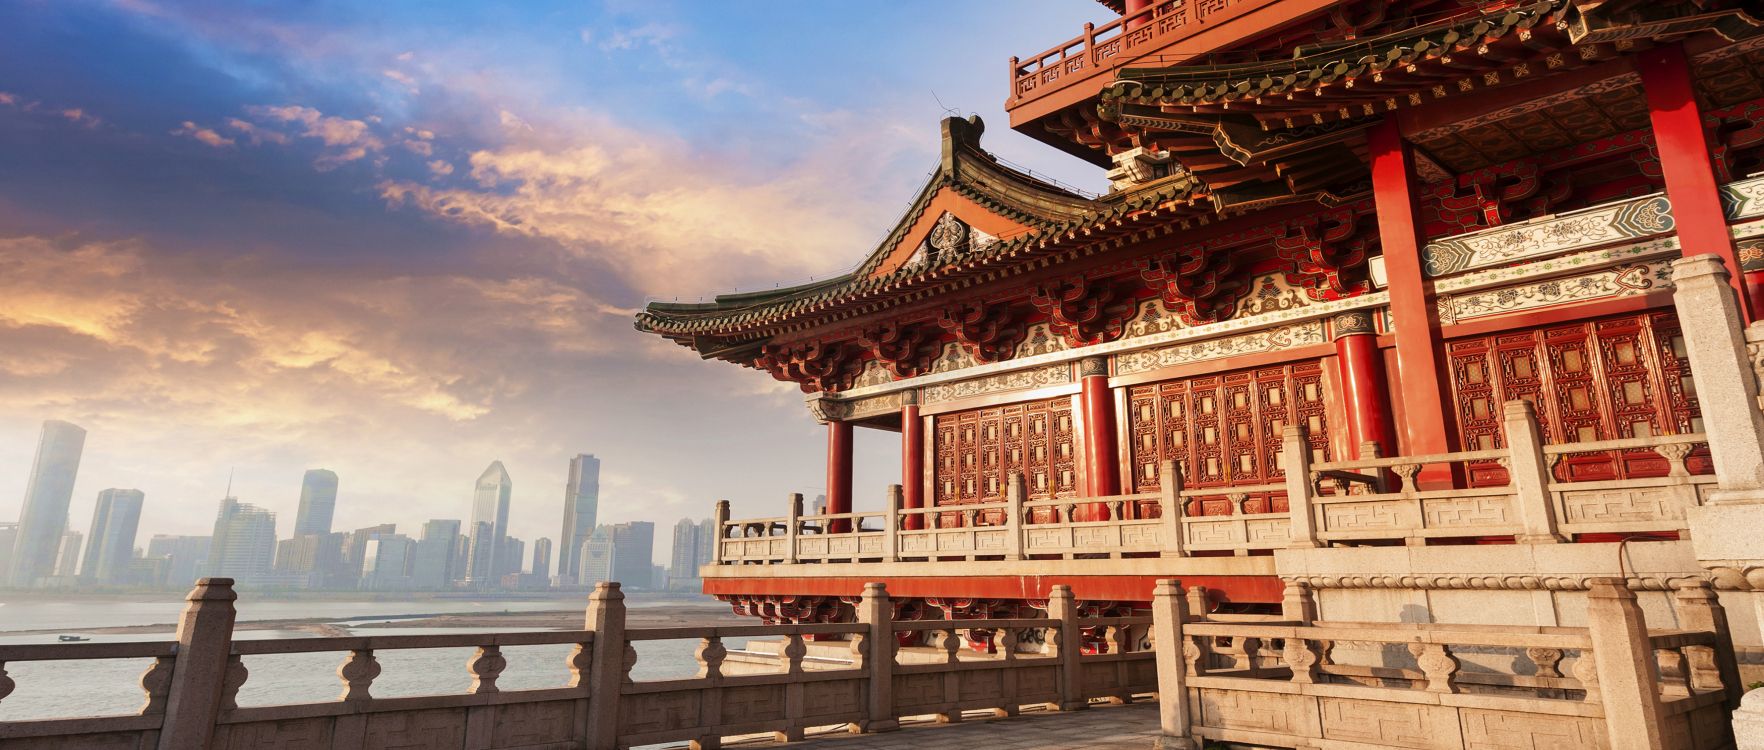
(683, 614)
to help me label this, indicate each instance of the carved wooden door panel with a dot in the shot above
(1617, 377)
(1225, 430)
(977, 451)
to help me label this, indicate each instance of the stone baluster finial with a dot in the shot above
(202, 666)
(1169, 610)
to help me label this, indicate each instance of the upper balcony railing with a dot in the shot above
(1372, 500)
(1136, 36)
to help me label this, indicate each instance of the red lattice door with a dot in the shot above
(977, 451)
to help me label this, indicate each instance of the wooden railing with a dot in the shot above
(1129, 38)
(1371, 500)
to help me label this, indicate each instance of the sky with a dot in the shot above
(402, 239)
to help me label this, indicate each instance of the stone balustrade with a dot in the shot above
(1339, 503)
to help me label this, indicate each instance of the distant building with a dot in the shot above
(542, 558)
(581, 507)
(44, 516)
(355, 551)
(244, 542)
(111, 543)
(386, 563)
(67, 555)
(318, 555)
(186, 557)
(692, 545)
(147, 572)
(435, 559)
(318, 502)
(490, 498)
(707, 541)
(620, 552)
(513, 552)
(481, 545)
(8, 537)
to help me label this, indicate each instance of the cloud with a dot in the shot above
(8, 99)
(254, 133)
(654, 35)
(205, 135)
(348, 140)
(409, 82)
(441, 168)
(79, 117)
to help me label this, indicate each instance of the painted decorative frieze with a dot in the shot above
(887, 403)
(1020, 380)
(1550, 235)
(1269, 340)
(1271, 293)
(954, 357)
(875, 373)
(1626, 280)
(1041, 340)
(1151, 319)
(1743, 199)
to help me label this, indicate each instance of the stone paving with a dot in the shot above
(1129, 727)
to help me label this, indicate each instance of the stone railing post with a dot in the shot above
(876, 611)
(1298, 604)
(1295, 449)
(1709, 315)
(792, 526)
(891, 521)
(1015, 489)
(1170, 508)
(1169, 609)
(1698, 608)
(722, 528)
(1530, 474)
(1063, 607)
(1628, 675)
(606, 670)
(205, 649)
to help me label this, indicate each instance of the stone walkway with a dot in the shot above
(1129, 727)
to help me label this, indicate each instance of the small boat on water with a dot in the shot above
(72, 638)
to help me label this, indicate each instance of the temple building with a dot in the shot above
(1416, 304)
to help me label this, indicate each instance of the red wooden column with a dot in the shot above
(1101, 458)
(1414, 321)
(839, 473)
(912, 461)
(1134, 6)
(1363, 382)
(1684, 159)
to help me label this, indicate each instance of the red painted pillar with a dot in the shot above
(1414, 321)
(912, 463)
(1363, 382)
(1101, 457)
(1684, 159)
(839, 473)
(1134, 6)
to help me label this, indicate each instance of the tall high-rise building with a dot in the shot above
(318, 502)
(634, 553)
(434, 560)
(317, 555)
(597, 557)
(186, 557)
(581, 506)
(480, 545)
(707, 541)
(490, 500)
(244, 542)
(355, 548)
(542, 558)
(684, 561)
(386, 562)
(67, 556)
(8, 537)
(111, 543)
(44, 516)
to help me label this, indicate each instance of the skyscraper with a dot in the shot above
(8, 537)
(597, 557)
(44, 517)
(386, 562)
(67, 556)
(244, 541)
(434, 561)
(581, 506)
(490, 506)
(707, 541)
(542, 557)
(111, 543)
(684, 562)
(318, 502)
(634, 553)
(186, 557)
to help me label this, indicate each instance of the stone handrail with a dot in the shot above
(194, 682)
(1612, 684)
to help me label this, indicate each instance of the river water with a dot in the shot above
(112, 686)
